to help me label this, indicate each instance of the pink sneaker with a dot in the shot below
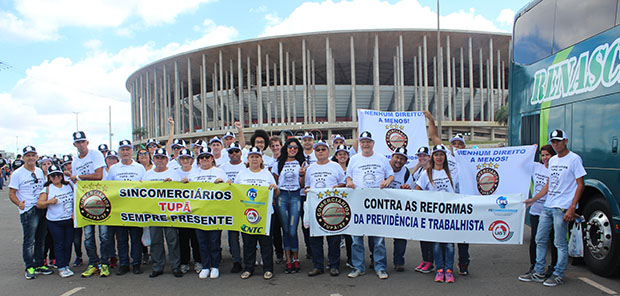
(428, 267)
(439, 276)
(419, 268)
(449, 276)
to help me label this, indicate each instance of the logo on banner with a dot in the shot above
(95, 205)
(333, 213)
(395, 137)
(252, 216)
(501, 231)
(502, 202)
(487, 178)
(252, 194)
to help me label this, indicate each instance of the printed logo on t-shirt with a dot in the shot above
(442, 184)
(369, 173)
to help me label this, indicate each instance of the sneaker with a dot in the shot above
(52, 263)
(399, 268)
(65, 273)
(268, 275)
(427, 268)
(350, 265)
(69, 271)
(419, 267)
(197, 267)
(439, 276)
(236, 267)
(204, 273)
(288, 268)
(382, 274)
(215, 273)
(355, 273)
(449, 276)
(532, 277)
(43, 270)
(184, 268)
(78, 262)
(91, 270)
(30, 274)
(105, 270)
(296, 266)
(463, 269)
(246, 275)
(334, 271)
(315, 272)
(553, 281)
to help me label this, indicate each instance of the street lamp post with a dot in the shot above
(76, 121)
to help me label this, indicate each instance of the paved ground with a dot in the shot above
(494, 271)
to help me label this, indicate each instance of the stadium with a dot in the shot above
(317, 81)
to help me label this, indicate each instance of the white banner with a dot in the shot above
(495, 170)
(391, 130)
(417, 215)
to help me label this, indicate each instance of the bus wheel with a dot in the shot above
(602, 245)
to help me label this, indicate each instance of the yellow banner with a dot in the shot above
(205, 206)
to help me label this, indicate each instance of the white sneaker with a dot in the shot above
(184, 268)
(197, 267)
(65, 273)
(204, 273)
(69, 271)
(215, 273)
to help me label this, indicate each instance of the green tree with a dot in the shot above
(501, 115)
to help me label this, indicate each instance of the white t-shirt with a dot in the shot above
(563, 173)
(416, 175)
(223, 158)
(288, 178)
(152, 175)
(262, 178)
(440, 180)
(87, 165)
(63, 209)
(174, 164)
(232, 170)
(399, 179)
(369, 172)
(324, 175)
(122, 172)
(539, 178)
(28, 189)
(184, 174)
(310, 158)
(210, 175)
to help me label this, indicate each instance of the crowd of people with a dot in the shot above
(43, 190)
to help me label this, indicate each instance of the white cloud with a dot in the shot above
(506, 17)
(373, 14)
(40, 107)
(41, 19)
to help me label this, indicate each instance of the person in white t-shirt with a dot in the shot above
(151, 145)
(110, 160)
(402, 180)
(439, 178)
(209, 241)
(232, 169)
(257, 175)
(89, 165)
(162, 173)
(259, 139)
(57, 198)
(369, 170)
(286, 172)
(563, 190)
(127, 170)
(24, 189)
(217, 146)
(275, 145)
(323, 174)
(176, 146)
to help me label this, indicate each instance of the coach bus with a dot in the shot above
(565, 73)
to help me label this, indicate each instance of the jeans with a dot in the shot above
(552, 218)
(210, 247)
(249, 251)
(444, 256)
(34, 229)
(187, 238)
(379, 257)
(123, 233)
(235, 247)
(427, 249)
(62, 235)
(158, 253)
(333, 251)
(400, 245)
(49, 245)
(106, 240)
(77, 242)
(463, 254)
(289, 204)
(533, 229)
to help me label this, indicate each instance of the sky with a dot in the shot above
(64, 60)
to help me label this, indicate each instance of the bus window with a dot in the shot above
(576, 20)
(533, 33)
(530, 129)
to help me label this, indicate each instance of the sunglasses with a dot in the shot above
(55, 175)
(234, 151)
(205, 156)
(143, 153)
(293, 146)
(320, 149)
(34, 177)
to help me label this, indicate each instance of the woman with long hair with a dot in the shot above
(144, 158)
(437, 177)
(286, 172)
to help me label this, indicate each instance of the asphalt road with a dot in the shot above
(494, 271)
